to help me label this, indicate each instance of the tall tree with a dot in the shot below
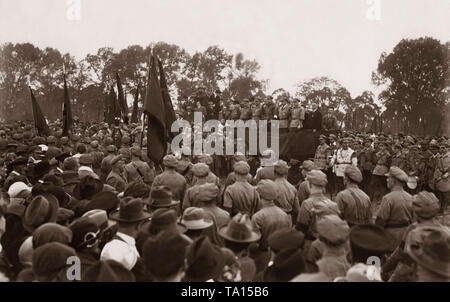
(415, 75)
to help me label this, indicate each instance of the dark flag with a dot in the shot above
(67, 111)
(39, 120)
(154, 109)
(377, 124)
(170, 116)
(122, 102)
(106, 109)
(134, 114)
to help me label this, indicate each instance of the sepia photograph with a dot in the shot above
(213, 143)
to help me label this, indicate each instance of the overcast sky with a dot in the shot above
(293, 40)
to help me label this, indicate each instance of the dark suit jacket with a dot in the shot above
(316, 120)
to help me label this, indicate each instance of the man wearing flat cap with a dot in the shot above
(241, 196)
(270, 217)
(353, 203)
(396, 213)
(201, 172)
(207, 196)
(171, 178)
(306, 216)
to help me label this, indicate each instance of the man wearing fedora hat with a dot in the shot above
(238, 235)
(122, 248)
(200, 223)
(164, 256)
(429, 248)
(161, 197)
(395, 213)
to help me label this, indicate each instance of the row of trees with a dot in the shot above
(415, 77)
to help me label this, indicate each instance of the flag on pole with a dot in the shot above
(67, 110)
(134, 114)
(122, 102)
(154, 109)
(114, 108)
(39, 120)
(170, 116)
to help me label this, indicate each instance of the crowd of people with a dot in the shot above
(97, 196)
(291, 113)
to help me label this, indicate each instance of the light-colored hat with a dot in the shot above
(196, 219)
(308, 165)
(120, 252)
(239, 229)
(361, 272)
(16, 188)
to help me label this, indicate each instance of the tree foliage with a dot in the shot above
(416, 76)
(91, 78)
